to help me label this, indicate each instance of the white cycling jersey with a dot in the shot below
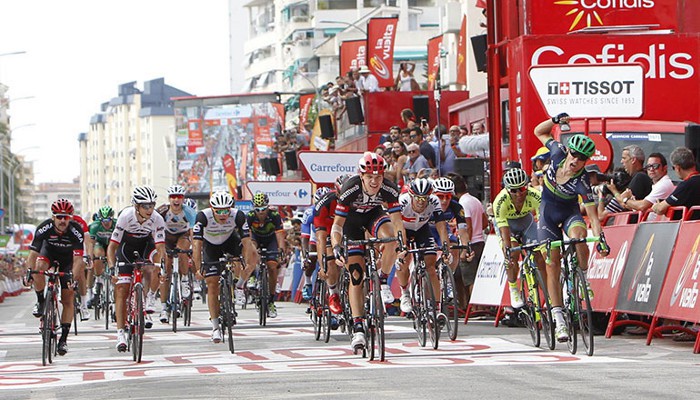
(413, 220)
(206, 228)
(128, 227)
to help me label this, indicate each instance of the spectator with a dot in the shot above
(661, 187)
(633, 162)
(608, 203)
(415, 161)
(446, 152)
(408, 118)
(397, 159)
(404, 79)
(477, 128)
(687, 193)
(539, 163)
(475, 145)
(428, 173)
(368, 82)
(406, 136)
(379, 150)
(455, 132)
(426, 150)
(463, 130)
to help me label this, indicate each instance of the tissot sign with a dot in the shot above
(285, 193)
(590, 91)
(324, 167)
(556, 16)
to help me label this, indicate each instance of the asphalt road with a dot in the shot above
(283, 361)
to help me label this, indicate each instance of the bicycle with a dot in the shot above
(227, 307)
(175, 303)
(346, 319)
(48, 324)
(103, 303)
(263, 286)
(448, 300)
(135, 313)
(320, 312)
(577, 302)
(374, 305)
(426, 317)
(536, 312)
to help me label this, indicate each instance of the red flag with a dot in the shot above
(433, 60)
(462, 53)
(353, 54)
(381, 35)
(305, 101)
(481, 4)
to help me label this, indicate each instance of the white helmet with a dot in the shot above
(143, 195)
(221, 200)
(176, 190)
(515, 178)
(444, 185)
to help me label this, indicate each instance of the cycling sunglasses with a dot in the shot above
(62, 216)
(260, 209)
(222, 211)
(578, 156)
(518, 190)
(177, 196)
(421, 199)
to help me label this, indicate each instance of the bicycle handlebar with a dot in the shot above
(178, 251)
(559, 243)
(371, 241)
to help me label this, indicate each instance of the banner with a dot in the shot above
(284, 193)
(326, 167)
(679, 296)
(462, 53)
(353, 55)
(195, 138)
(604, 273)
(433, 60)
(230, 170)
(381, 34)
(646, 267)
(305, 102)
(491, 279)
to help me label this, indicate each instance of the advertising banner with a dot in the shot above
(326, 167)
(195, 139)
(679, 296)
(646, 267)
(462, 53)
(353, 55)
(305, 103)
(284, 193)
(381, 35)
(230, 171)
(433, 60)
(590, 91)
(490, 281)
(604, 273)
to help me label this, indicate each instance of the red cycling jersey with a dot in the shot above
(324, 211)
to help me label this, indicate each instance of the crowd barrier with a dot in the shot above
(653, 270)
(10, 287)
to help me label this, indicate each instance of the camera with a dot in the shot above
(423, 122)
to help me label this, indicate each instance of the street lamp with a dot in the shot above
(344, 23)
(12, 53)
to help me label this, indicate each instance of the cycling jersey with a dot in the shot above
(129, 230)
(208, 229)
(264, 229)
(100, 234)
(177, 223)
(413, 220)
(307, 225)
(567, 193)
(82, 223)
(504, 209)
(454, 211)
(68, 243)
(324, 211)
(353, 197)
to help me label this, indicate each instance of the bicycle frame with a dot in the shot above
(49, 322)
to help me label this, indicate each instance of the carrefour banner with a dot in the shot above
(381, 35)
(433, 60)
(285, 193)
(324, 167)
(462, 53)
(353, 55)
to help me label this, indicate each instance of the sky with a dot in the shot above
(79, 51)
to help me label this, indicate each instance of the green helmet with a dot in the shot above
(582, 144)
(260, 200)
(105, 212)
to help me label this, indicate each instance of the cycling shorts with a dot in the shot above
(65, 262)
(555, 219)
(125, 253)
(357, 223)
(423, 238)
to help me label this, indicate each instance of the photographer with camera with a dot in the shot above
(608, 203)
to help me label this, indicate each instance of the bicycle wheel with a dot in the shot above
(430, 307)
(377, 313)
(187, 302)
(316, 310)
(48, 321)
(264, 296)
(529, 313)
(569, 303)
(174, 300)
(97, 301)
(449, 305)
(417, 305)
(583, 310)
(226, 310)
(107, 304)
(138, 323)
(544, 309)
(326, 314)
(345, 302)
(76, 311)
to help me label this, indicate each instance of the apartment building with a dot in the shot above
(47, 193)
(129, 143)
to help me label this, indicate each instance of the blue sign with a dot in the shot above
(244, 205)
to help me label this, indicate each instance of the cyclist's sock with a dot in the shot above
(558, 315)
(513, 285)
(307, 280)
(65, 330)
(120, 331)
(383, 277)
(404, 289)
(83, 301)
(358, 325)
(333, 289)
(215, 323)
(165, 306)
(40, 296)
(240, 284)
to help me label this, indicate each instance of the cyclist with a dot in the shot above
(418, 207)
(512, 209)
(139, 229)
(360, 209)
(80, 273)
(324, 214)
(179, 220)
(57, 239)
(564, 181)
(96, 243)
(267, 232)
(308, 243)
(218, 230)
(444, 189)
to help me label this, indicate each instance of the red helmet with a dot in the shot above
(372, 163)
(62, 206)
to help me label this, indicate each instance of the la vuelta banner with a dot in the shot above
(381, 35)
(462, 53)
(305, 101)
(433, 60)
(230, 170)
(353, 55)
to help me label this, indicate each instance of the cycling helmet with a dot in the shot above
(142, 195)
(444, 185)
(372, 163)
(320, 192)
(95, 217)
(582, 144)
(515, 178)
(191, 203)
(62, 206)
(420, 187)
(106, 212)
(176, 190)
(221, 200)
(339, 181)
(260, 200)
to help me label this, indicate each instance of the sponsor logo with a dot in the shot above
(587, 12)
(619, 264)
(589, 88)
(687, 296)
(301, 193)
(342, 168)
(639, 291)
(379, 67)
